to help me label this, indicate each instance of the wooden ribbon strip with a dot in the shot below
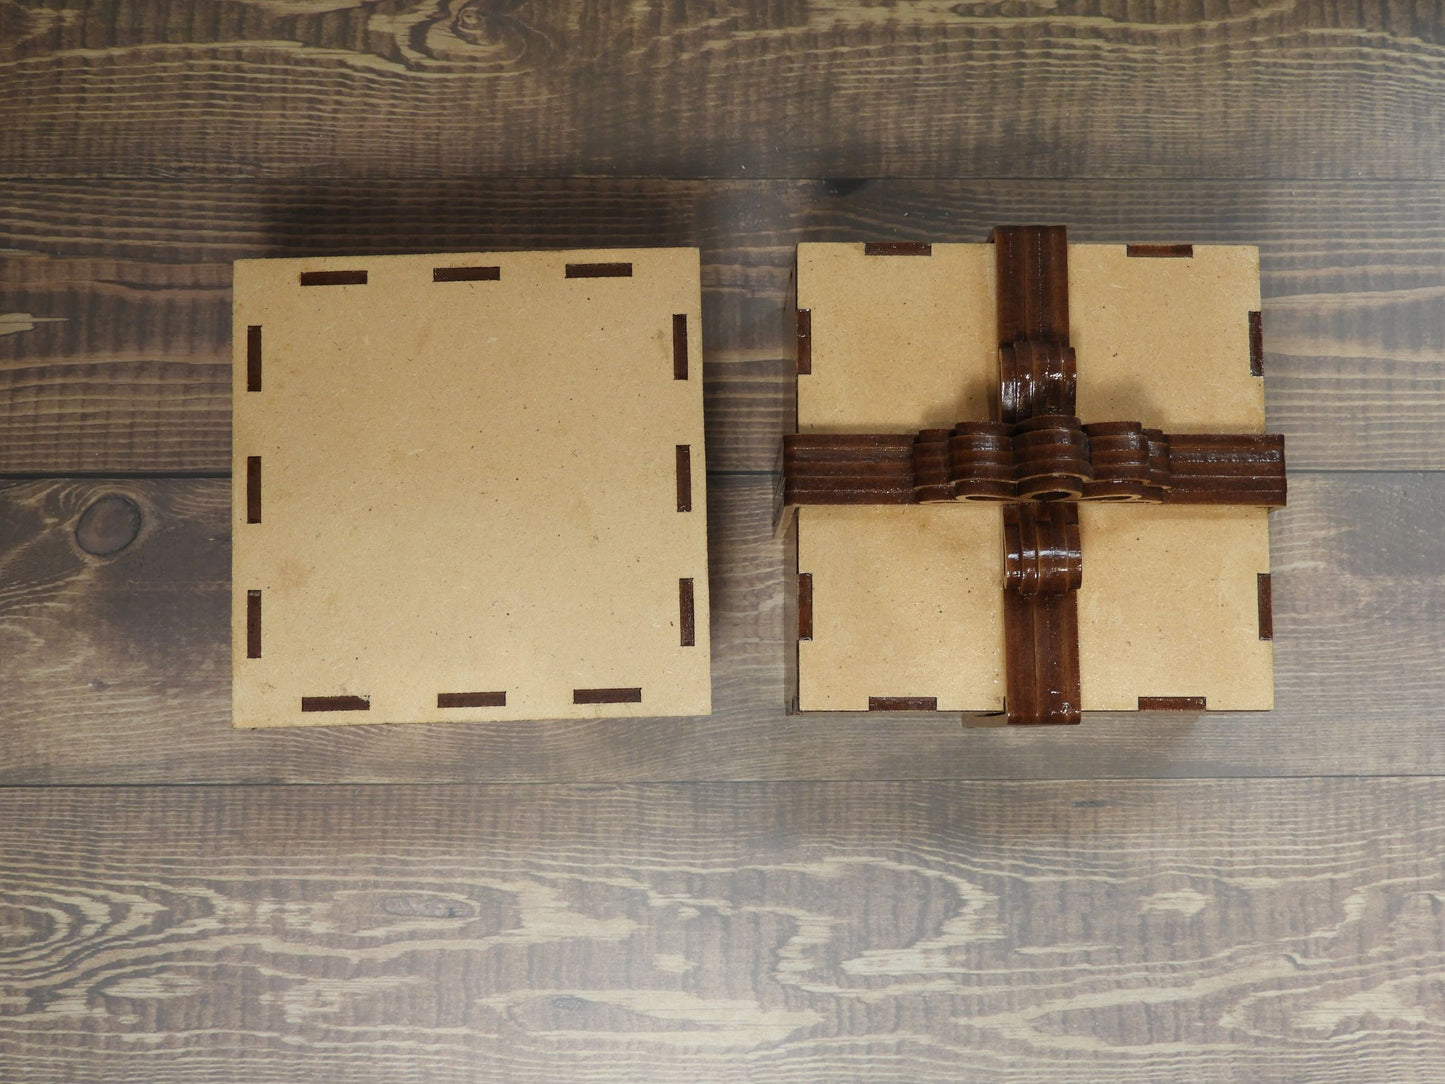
(980, 461)
(1040, 459)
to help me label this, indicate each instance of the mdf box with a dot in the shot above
(469, 487)
(1030, 479)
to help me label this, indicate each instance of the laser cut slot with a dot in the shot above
(679, 346)
(253, 624)
(903, 703)
(333, 278)
(805, 605)
(466, 274)
(599, 270)
(472, 700)
(1256, 344)
(253, 357)
(687, 613)
(1177, 252)
(805, 341)
(253, 489)
(1171, 703)
(898, 248)
(1265, 586)
(606, 696)
(335, 703)
(684, 478)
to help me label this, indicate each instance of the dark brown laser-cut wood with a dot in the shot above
(1256, 343)
(599, 270)
(496, 699)
(487, 273)
(903, 703)
(897, 248)
(253, 489)
(687, 614)
(679, 346)
(1171, 703)
(333, 278)
(1160, 251)
(335, 703)
(253, 624)
(1265, 584)
(805, 605)
(253, 357)
(803, 336)
(607, 696)
(684, 478)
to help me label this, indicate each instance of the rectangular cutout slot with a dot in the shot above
(253, 357)
(335, 703)
(253, 624)
(1266, 606)
(1171, 703)
(1256, 343)
(687, 614)
(805, 605)
(679, 346)
(472, 700)
(898, 248)
(903, 703)
(466, 274)
(805, 341)
(606, 696)
(253, 489)
(599, 270)
(1178, 252)
(684, 478)
(333, 278)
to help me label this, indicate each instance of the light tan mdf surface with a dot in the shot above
(481, 487)
(908, 600)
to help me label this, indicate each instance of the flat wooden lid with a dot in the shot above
(482, 488)
(908, 600)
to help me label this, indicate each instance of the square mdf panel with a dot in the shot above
(469, 487)
(904, 603)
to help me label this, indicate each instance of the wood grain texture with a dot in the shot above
(1230, 931)
(116, 668)
(427, 89)
(129, 370)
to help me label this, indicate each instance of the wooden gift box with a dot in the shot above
(469, 487)
(1030, 478)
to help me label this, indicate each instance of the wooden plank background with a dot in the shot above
(745, 897)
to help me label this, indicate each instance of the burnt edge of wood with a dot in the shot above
(599, 270)
(897, 248)
(335, 703)
(606, 696)
(687, 613)
(253, 357)
(805, 605)
(253, 624)
(1177, 252)
(1171, 703)
(679, 346)
(903, 703)
(1265, 586)
(684, 478)
(472, 700)
(1256, 344)
(805, 341)
(253, 489)
(490, 273)
(333, 278)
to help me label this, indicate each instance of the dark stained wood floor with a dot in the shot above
(747, 897)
